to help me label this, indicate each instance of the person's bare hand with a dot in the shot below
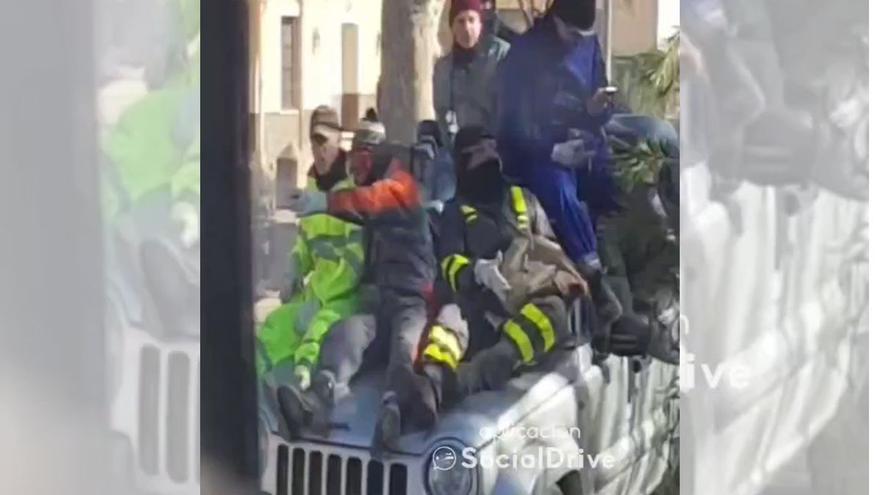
(599, 102)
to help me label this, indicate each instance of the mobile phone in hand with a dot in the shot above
(609, 90)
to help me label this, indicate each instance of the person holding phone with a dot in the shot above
(555, 100)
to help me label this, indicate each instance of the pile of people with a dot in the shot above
(462, 271)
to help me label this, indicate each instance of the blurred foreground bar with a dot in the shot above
(228, 394)
(774, 246)
(51, 314)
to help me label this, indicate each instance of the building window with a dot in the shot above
(291, 73)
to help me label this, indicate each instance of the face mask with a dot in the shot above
(568, 33)
(335, 173)
(482, 184)
(361, 166)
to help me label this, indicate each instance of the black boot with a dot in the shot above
(388, 425)
(324, 392)
(489, 369)
(431, 389)
(627, 337)
(663, 345)
(307, 408)
(293, 409)
(638, 336)
(608, 306)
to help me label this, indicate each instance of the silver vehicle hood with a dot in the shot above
(472, 422)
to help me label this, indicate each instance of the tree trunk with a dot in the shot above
(528, 10)
(409, 48)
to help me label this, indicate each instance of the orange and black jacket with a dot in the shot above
(399, 249)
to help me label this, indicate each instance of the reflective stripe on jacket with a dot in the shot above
(471, 232)
(330, 252)
(328, 260)
(537, 327)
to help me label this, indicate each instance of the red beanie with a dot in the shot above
(459, 6)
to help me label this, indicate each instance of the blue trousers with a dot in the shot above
(557, 190)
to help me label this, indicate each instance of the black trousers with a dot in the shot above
(493, 357)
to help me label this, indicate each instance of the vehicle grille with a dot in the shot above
(168, 433)
(302, 471)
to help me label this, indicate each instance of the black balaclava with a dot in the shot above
(491, 22)
(333, 176)
(478, 166)
(578, 13)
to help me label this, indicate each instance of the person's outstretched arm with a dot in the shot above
(399, 191)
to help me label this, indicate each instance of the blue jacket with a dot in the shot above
(544, 87)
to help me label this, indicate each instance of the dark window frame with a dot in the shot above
(291, 63)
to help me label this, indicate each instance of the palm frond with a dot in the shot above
(638, 163)
(649, 81)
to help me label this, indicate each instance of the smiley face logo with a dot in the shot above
(444, 458)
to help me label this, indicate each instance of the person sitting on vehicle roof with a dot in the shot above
(401, 264)
(442, 347)
(554, 102)
(327, 264)
(639, 247)
(512, 282)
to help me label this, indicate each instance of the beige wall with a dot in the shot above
(634, 26)
(270, 51)
(321, 54)
(321, 21)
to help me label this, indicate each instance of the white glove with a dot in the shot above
(302, 377)
(187, 217)
(308, 202)
(573, 153)
(488, 274)
(435, 205)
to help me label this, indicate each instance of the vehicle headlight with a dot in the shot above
(447, 473)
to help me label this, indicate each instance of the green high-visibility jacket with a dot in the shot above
(330, 251)
(155, 144)
(329, 257)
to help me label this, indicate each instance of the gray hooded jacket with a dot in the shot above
(469, 92)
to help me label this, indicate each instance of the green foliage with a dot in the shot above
(638, 163)
(649, 85)
(649, 81)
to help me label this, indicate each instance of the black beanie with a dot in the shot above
(578, 13)
(483, 184)
(468, 136)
